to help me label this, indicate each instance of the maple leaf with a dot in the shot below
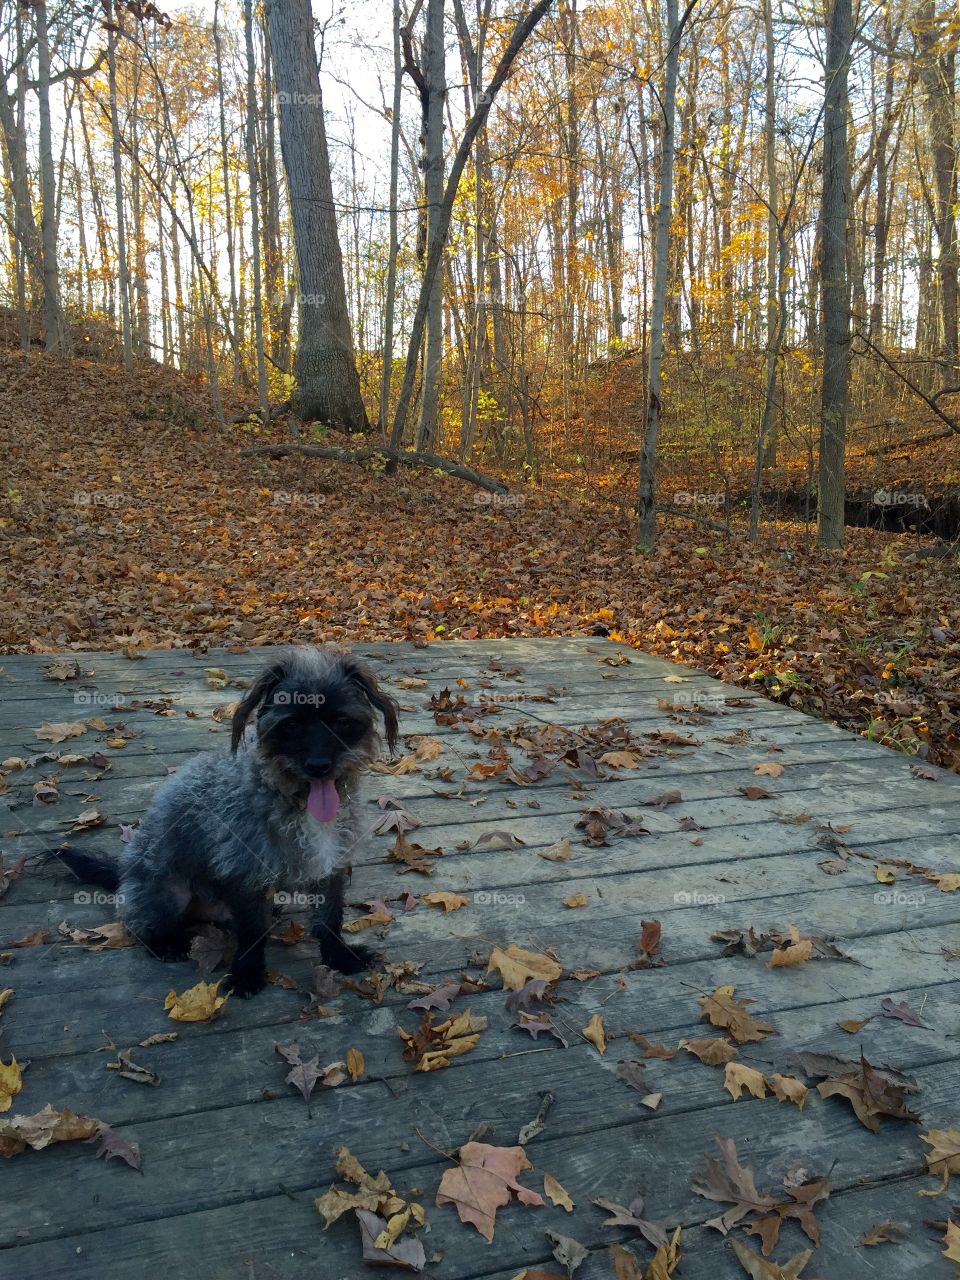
(723, 1010)
(394, 818)
(535, 1023)
(517, 966)
(439, 998)
(652, 1050)
(737, 1077)
(60, 732)
(733, 1183)
(113, 1146)
(871, 1092)
(714, 1051)
(414, 857)
(789, 1089)
(952, 1240)
(432, 1045)
(484, 1181)
(446, 901)
(199, 1003)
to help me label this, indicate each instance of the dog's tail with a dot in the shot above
(90, 868)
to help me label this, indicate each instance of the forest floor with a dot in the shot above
(129, 519)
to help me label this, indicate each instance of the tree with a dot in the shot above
(328, 387)
(835, 286)
(647, 504)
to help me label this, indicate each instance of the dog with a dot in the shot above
(279, 813)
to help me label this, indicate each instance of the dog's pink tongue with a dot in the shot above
(323, 800)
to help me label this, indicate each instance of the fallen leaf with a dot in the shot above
(789, 1089)
(943, 1156)
(594, 1032)
(576, 900)
(900, 1011)
(356, 1064)
(723, 1010)
(769, 769)
(713, 1051)
(737, 1077)
(568, 1252)
(11, 1082)
(199, 1003)
(559, 852)
(758, 1268)
(556, 1194)
(60, 732)
(885, 1232)
(448, 901)
(483, 1182)
(125, 1066)
(517, 966)
(408, 1254)
(633, 1217)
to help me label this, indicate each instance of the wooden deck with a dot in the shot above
(232, 1161)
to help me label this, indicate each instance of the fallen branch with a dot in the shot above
(930, 402)
(430, 460)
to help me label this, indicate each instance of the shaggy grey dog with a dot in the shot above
(276, 815)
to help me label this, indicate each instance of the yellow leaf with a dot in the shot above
(886, 875)
(356, 1064)
(595, 1033)
(197, 1004)
(10, 1083)
(737, 1077)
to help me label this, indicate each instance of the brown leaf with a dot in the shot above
(723, 1010)
(484, 1181)
(594, 1032)
(517, 966)
(713, 1051)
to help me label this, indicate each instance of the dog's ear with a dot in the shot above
(366, 681)
(259, 691)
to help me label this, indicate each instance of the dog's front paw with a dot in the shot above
(245, 984)
(345, 958)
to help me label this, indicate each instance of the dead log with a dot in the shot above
(432, 461)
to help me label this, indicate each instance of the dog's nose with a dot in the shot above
(318, 766)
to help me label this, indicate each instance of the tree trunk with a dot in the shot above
(647, 504)
(328, 386)
(435, 81)
(55, 329)
(253, 177)
(390, 303)
(123, 271)
(835, 281)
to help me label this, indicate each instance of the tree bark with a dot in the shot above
(646, 505)
(435, 84)
(328, 386)
(835, 287)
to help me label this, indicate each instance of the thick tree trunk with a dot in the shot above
(328, 387)
(56, 335)
(836, 284)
